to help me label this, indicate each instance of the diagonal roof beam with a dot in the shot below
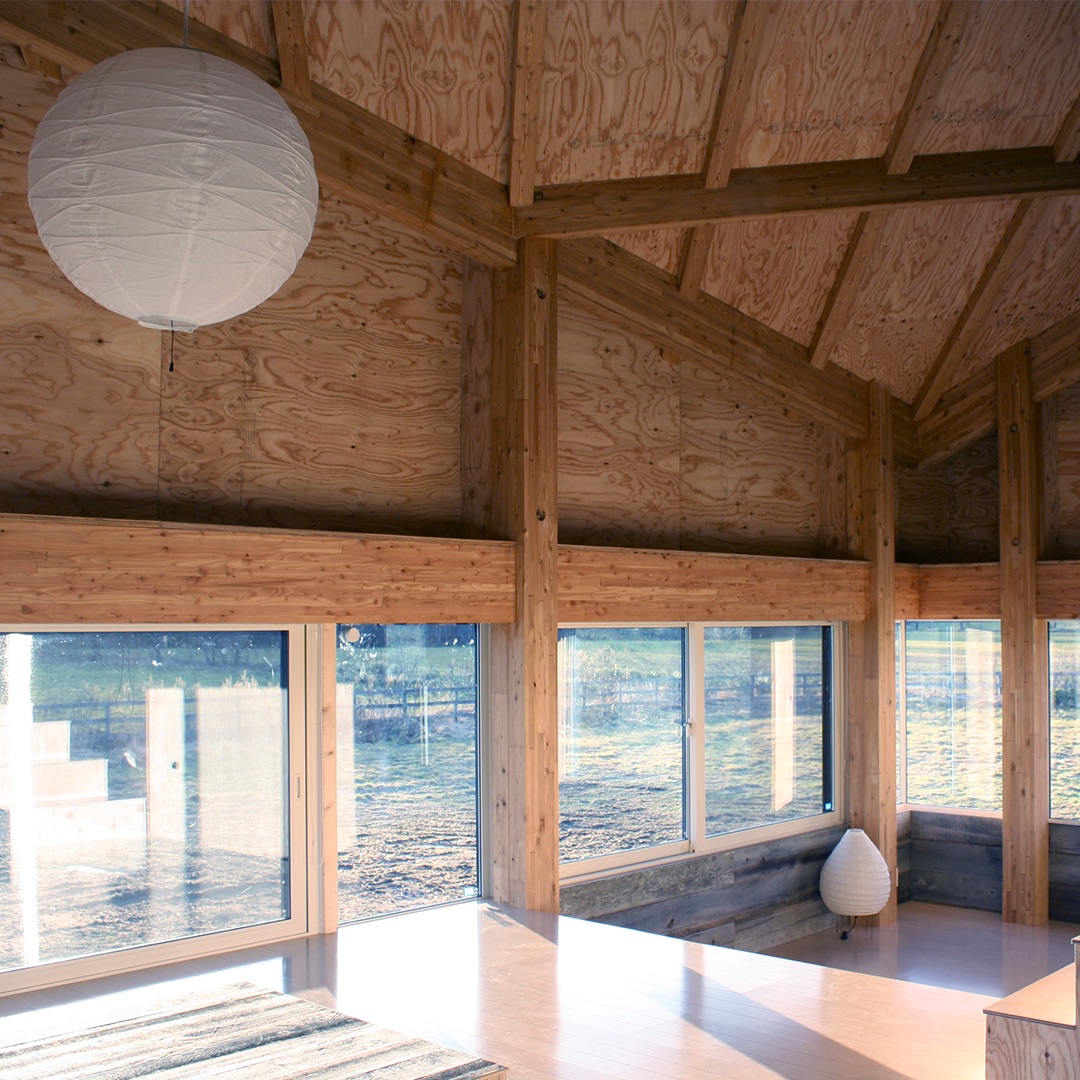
(593, 209)
(291, 38)
(841, 299)
(752, 28)
(1027, 219)
(938, 53)
(695, 258)
(397, 174)
(530, 32)
(1067, 143)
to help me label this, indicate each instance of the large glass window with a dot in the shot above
(144, 794)
(672, 738)
(952, 713)
(621, 714)
(1065, 720)
(408, 760)
(768, 754)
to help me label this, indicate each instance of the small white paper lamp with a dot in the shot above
(173, 187)
(855, 879)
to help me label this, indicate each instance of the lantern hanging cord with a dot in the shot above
(172, 346)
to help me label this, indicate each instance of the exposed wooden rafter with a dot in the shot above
(408, 180)
(1067, 143)
(937, 55)
(841, 298)
(592, 209)
(1027, 219)
(530, 31)
(291, 38)
(749, 32)
(695, 258)
(49, 68)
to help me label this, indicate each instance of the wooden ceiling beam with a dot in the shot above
(607, 279)
(355, 151)
(530, 33)
(291, 39)
(695, 259)
(749, 33)
(593, 209)
(1067, 143)
(1027, 219)
(841, 299)
(966, 412)
(937, 55)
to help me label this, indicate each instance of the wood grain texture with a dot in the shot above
(619, 436)
(948, 510)
(779, 272)
(1013, 79)
(1023, 1050)
(1067, 479)
(751, 477)
(529, 39)
(927, 261)
(246, 21)
(598, 585)
(971, 591)
(661, 247)
(1024, 736)
(438, 71)
(1058, 589)
(833, 83)
(1043, 288)
(628, 88)
(65, 570)
(477, 344)
(906, 592)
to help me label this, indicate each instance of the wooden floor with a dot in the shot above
(566, 999)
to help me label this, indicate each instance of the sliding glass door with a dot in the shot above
(150, 790)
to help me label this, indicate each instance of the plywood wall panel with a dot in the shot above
(1043, 289)
(1067, 404)
(661, 247)
(629, 88)
(1012, 81)
(926, 262)
(948, 511)
(246, 21)
(833, 82)
(618, 436)
(439, 71)
(779, 271)
(750, 475)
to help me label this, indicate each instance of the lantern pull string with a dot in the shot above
(187, 10)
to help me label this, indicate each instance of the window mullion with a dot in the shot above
(695, 735)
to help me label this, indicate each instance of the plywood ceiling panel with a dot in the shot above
(833, 81)
(438, 70)
(661, 247)
(1043, 290)
(246, 21)
(629, 88)
(1013, 79)
(926, 263)
(779, 271)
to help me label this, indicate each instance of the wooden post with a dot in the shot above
(871, 743)
(1025, 725)
(524, 841)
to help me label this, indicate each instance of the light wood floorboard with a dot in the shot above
(563, 999)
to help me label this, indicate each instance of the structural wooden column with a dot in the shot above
(524, 820)
(871, 741)
(1024, 720)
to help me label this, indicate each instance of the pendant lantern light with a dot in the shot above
(173, 187)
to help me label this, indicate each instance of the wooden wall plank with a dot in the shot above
(1024, 731)
(1058, 590)
(67, 570)
(598, 585)
(969, 591)
(906, 591)
(477, 455)
(619, 436)
(947, 511)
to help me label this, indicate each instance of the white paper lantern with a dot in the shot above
(855, 879)
(173, 187)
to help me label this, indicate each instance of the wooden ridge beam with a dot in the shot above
(354, 150)
(611, 280)
(596, 208)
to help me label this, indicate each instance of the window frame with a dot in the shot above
(306, 910)
(697, 843)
